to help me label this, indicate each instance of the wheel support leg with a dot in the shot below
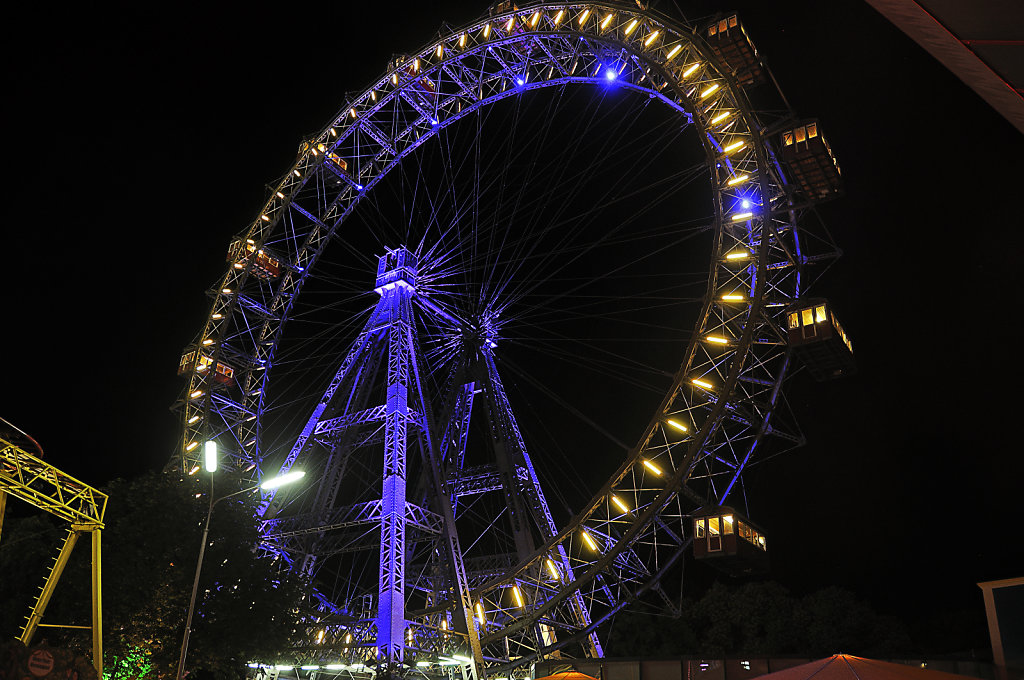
(391, 584)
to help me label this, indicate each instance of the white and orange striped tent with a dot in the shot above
(568, 675)
(846, 667)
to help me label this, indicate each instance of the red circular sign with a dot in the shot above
(40, 663)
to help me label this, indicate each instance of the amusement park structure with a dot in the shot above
(426, 530)
(28, 477)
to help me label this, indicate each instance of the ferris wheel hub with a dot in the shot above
(397, 268)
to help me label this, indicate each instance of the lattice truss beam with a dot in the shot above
(725, 399)
(46, 487)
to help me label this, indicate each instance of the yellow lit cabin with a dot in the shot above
(429, 90)
(502, 7)
(819, 340)
(729, 541)
(243, 251)
(196, 360)
(730, 43)
(810, 160)
(321, 149)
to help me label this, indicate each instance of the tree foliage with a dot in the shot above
(762, 619)
(26, 547)
(247, 607)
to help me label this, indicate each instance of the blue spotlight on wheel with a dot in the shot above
(610, 74)
(745, 203)
(520, 81)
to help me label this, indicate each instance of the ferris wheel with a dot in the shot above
(540, 224)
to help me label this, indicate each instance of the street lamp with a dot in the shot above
(211, 466)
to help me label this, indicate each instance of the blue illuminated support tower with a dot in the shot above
(509, 473)
(377, 397)
(379, 401)
(396, 282)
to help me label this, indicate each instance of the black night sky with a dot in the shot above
(145, 134)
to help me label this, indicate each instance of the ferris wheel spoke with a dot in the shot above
(580, 252)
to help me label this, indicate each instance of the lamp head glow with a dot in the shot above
(652, 467)
(210, 456)
(610, 74)
(676, 424)
(745, 203)
(286, 478)
(518, 596)
(520, 81)
(709, 91)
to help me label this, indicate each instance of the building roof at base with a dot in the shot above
(846, 667)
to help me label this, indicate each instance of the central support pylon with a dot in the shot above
(396, 283)
(387, 481)
(376, 397)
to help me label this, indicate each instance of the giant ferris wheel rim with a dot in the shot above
(266, 217)
(647, 44)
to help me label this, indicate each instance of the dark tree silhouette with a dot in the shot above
(248, 608)
(762, 619)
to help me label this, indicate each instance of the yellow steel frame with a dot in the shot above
(37, 482)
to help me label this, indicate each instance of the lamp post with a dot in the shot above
(211, 466)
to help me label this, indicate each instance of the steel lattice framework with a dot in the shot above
(723, 406)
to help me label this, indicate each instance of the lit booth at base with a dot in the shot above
(729, 542)
(819, 341)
